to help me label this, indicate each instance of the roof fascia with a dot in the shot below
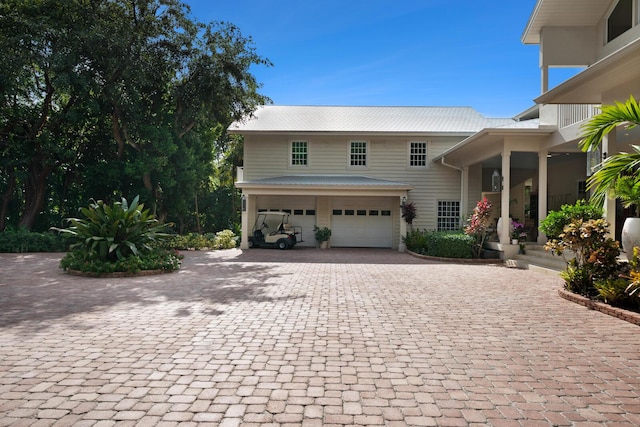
(349, 133)
(492, 132)
(532, 19)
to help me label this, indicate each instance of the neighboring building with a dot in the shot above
(349, 168)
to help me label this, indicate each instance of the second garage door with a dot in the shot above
(362, 222)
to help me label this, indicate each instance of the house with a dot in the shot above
(351, 168)
(542, 165)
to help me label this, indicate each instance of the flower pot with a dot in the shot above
(514, 241)
(630, 235)
(324, 245)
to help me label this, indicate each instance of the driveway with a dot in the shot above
(308, 337)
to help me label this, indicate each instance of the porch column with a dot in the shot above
(403, 226)
(505, 235)
(245, 208)
(542, 192)
(609, 209)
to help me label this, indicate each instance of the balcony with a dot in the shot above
(570, 114)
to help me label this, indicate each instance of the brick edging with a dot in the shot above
(117, 274)
(456, 260)
(620, 313)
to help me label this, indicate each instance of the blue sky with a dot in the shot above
(389, 52)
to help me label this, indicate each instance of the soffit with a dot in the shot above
(563, 13)
(587, 87)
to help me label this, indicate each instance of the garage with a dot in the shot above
(302, 210)
(362, 222)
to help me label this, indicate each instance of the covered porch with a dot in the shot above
(522, 173)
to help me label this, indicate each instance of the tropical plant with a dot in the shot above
(553, 225)
(595, 254)
(603, 181)
(409, 213)
(111, 233)
(478, 224)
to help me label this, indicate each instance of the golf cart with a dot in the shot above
(272, 230)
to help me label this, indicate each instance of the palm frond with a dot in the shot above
(625, 114)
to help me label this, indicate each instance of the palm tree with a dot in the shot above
(604, 181)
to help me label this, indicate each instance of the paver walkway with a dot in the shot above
(308, 337)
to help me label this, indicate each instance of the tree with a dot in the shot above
(142, 73)
(603, 181)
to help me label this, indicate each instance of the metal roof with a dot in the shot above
(325, 181)
(348, 119)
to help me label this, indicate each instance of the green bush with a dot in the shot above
(444, 244)
(156, 259)
(111, 233)
(22, 240)
(191, 241)
(613, 291)
(553, 225)
(225, 239)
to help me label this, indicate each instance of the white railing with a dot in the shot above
(570, 114)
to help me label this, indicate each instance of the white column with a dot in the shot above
(505, 235)
(403, 227)
(246, 208)
(544, 78)
(542, 192)
(609, 209)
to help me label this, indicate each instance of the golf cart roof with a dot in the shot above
(279, 213)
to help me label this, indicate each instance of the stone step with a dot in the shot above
(536, 256)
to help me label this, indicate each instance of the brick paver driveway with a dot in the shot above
(308, 337)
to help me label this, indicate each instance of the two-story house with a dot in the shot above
(350, 168)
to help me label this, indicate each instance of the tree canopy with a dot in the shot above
(107, 99)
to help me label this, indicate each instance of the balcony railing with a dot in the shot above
(570, 114)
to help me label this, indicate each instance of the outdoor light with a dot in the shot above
(496, 181)
(404, 201)
(244, 203)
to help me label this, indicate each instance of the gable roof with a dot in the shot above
(347, 119)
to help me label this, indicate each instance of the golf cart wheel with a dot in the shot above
(282, 244)
(251, 243)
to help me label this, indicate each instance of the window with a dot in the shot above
(299, 153)
(358, 153)
(620, 20)
(448, 215)
(418, 154)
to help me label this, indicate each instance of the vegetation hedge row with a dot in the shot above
(22, 240)
(444, 244)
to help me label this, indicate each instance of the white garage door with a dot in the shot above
(302, 210)
(362, 223)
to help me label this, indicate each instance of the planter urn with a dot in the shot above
(630, 235)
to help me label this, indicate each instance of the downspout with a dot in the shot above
(462, 195)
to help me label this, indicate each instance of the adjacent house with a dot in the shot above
(352, 168)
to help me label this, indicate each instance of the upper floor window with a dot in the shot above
(620, 20)
(418, 154)
(358, 153)
(299, 153)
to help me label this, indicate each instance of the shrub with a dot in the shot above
(613, 291)
(110, 233)
(22, 240)
(444, 244)
(553, 225)
(477, 225)
(191, 241)
(225, 239)
(156, 259)
(595, 254)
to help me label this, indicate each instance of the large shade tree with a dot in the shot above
(102, 99)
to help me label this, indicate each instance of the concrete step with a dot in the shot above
(536, 256)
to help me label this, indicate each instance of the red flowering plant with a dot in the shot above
(478, 224)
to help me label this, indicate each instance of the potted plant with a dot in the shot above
(518, 232)
(322, 235)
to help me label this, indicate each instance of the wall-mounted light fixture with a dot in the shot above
(244, 203)
(496, 181)
(403, 201)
